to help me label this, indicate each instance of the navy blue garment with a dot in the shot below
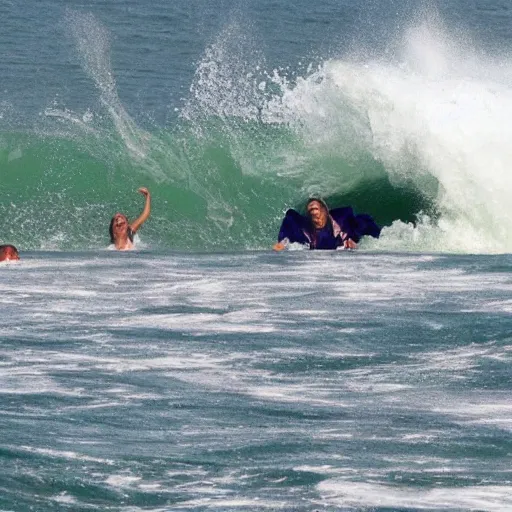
(341, 225)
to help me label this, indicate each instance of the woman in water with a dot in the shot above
(122, 231)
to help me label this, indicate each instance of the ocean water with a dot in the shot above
(254, 381)
(232, 112)
(202, 371)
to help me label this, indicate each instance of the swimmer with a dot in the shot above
(8, 253)
(322, 228)
(122, 231)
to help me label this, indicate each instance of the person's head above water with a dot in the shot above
(317, 212)
(8, 253)
(119, 228)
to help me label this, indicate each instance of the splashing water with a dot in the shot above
(418, 139)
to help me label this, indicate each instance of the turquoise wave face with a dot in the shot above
(422, 148)
(225, 188)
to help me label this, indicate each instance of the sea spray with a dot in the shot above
(415, 139)
(431, 121)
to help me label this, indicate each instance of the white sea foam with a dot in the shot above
(65, 498)
(345, 493)
(204, 323)
(14, 381)
(443, 128)
(325, 469)
(241, 339)
(231, 503)
(476, 411)
(122, 481)
(61, 454)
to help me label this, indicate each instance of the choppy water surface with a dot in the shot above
(255, 381)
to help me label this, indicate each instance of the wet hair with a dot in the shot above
(111, 230)
(310, 222)
(318, 200)
(6, 249)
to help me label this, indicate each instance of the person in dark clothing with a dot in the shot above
(322, 228)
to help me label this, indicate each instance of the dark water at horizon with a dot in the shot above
(155, 49)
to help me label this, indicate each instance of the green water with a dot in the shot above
(214, 192)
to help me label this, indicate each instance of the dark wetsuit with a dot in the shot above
(342, 224)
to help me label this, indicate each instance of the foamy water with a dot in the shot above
(255, 381)
(435, 114)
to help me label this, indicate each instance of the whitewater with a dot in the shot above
(254, 381)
